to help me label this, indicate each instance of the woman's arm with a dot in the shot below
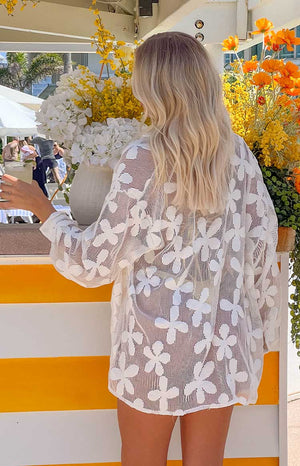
(95, 256)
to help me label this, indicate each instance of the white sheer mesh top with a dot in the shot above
(195, 301)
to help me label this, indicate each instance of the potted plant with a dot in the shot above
(262, 96)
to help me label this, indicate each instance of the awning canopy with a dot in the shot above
(16, 120)
(26, 100)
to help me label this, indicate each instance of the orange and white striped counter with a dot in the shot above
(55, 408)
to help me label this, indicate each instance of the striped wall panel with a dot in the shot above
(91, 436)
(54, 359)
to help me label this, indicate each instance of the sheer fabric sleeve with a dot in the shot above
(261, 257)
(94, 256)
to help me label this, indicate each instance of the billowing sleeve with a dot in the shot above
(261, 257)
(94, 256)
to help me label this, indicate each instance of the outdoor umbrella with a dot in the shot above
(28, 100)
(16, 120)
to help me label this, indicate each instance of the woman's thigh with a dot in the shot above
(145, 437)
(203, 436)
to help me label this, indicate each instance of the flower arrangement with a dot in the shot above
(95, 118)
(262, 96)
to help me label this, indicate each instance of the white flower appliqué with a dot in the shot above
(224, 343)
(132, 337)
(253, 334)
(186, 287)
(200, 306)
(123, 374)
(163, 394)
(97, 266)
(177, 255)
(200, 384)
(147, 279)
(156, 358)
(236, 233)
(207, 240)
(109, 234)
(173, 223)
(234, 376)
(206, 342)
(239, 269)
(235, 309)
(173, 325)
(234, 195)
(217, 266)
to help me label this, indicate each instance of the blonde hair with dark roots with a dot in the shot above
(190, 133)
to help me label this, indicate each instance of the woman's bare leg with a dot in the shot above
(145, 437)
(203, 436)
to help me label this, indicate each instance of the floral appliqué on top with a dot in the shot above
(195, 299)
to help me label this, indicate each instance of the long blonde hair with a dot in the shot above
(190, 134)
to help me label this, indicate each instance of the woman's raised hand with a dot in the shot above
(21, 195)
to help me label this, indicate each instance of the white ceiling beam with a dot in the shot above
(67, 21)
(25, 36)
(46, 47)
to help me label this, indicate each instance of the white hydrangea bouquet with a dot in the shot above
(94, 119)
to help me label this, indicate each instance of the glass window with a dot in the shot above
(298, 46)
(286, 54)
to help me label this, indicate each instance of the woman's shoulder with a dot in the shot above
(243, 159)
(137, 145)
(137, 154)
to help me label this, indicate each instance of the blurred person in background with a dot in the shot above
(11, 151)
(45, 149)
(58, 154)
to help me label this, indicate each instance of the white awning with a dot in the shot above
(29, 101)
(16, 120)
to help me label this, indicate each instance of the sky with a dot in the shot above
(2, 56)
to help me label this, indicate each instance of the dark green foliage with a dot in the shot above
(281, 186)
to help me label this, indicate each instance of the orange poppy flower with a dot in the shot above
(285, 83)
(261, 79)
(249, 66)
(272, 65)
(296, 172)
(290, 70)
(263, 25)
(231, 44)
(287, 37)
(295, 89)
(270, 41)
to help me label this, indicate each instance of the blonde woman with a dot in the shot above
(188, 234)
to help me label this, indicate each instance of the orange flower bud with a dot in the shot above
(263, 25)
(231, 44)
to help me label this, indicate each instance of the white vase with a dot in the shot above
(88, 190)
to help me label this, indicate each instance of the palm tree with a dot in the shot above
(20, 73)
